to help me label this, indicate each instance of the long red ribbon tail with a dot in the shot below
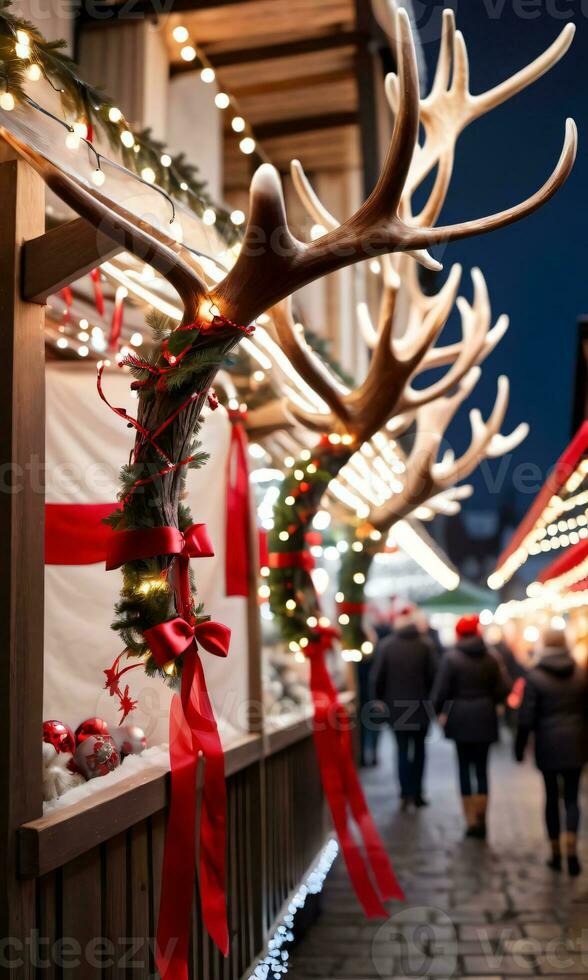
(117, 319)
(179, 856)
(238, 514)
(342, 790)
(193, 732)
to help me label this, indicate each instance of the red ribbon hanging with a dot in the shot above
(75, 533)
(342, 787)
(352, 608)
(193, 732)
(98, 294)
(238, 515)
(117, 318)
(67, 297)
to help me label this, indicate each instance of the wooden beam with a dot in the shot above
(368, 63)
(22, 507)
(97, 13)
(62, 255)
(305, 124)
(286, 49)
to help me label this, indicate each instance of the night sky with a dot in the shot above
(536, 270)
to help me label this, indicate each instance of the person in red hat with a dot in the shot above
(469, 686)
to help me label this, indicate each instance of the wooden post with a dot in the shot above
(22, 501)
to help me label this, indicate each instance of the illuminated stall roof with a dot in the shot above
(557, 519)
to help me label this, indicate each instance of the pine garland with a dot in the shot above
(83, 102)
(147, 598)
(293, 598)
(356, 561)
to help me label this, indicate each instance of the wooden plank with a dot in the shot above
(287, 49)
(305, 124)
(52, 840)
(58, 837)
(22, 442)
(115, 903)
(62, 255)
(48, 919)
(140, 893)
(82, 917)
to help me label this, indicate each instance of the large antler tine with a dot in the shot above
(435, 319)
(482, 436)
(445, 60)
(392, 90)
(385, 198)
(438, 195)
(386, 13)
(461, 65)
(120, 225)
(522, 79)
(481, 226)
(501, 445)
(366, 325)
(309, 367)
(309, 198)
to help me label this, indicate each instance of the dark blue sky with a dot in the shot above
(537, 270)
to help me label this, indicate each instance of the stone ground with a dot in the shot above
(472, 910)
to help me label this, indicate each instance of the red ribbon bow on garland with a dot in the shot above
(193, 733)
(332, 739)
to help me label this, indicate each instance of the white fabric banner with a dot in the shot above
(86, 444)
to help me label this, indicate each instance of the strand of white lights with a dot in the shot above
(547, 534)
(275, 963)
(190, 52)
(136, 289)
(406, 537)
(345, 496)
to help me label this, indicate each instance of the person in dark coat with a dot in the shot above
(402, 678)
(555, 709)
(469, 686)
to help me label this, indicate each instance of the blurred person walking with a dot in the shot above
(555, 710)
(470, 684)
(402, 679)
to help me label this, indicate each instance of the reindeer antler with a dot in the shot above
(426, 477)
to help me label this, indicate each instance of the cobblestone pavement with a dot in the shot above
(472, 910)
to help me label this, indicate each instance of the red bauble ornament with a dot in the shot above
(96, 756)
(129, 739)
(58, 735)
(91, 726)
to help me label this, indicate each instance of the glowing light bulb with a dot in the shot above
(127, 139)
(7, 101)
(367, 647)
(180, 34)
(98, 178)
(290, 501)
(259, 376)
(72, 141)
(83, 351)
(317, 231)
(176, 231)
(283, 536)
(34, 73)
(237, 217)
(114, 114)
(221, 100)
(136, 339)
(238, 124)
(23, 38)
(62, 343)
(290, 604)
(247, 145)
(148, 175)
(209, 216)
(165, 160)
(23, 45)
(188, 53)
(207, 75)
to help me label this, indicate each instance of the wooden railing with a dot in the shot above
(97, 864)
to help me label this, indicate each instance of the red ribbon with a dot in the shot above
(291, 559)
(352, 608)
(193, 733)
(194, 542)
(75, 533)
(98, 294)
(117, 318)
(342, 787)
(238, 511)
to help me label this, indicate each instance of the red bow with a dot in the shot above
(291, 559)
(175, 637)
(194, 542)
(193, 732)
(332, 738)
